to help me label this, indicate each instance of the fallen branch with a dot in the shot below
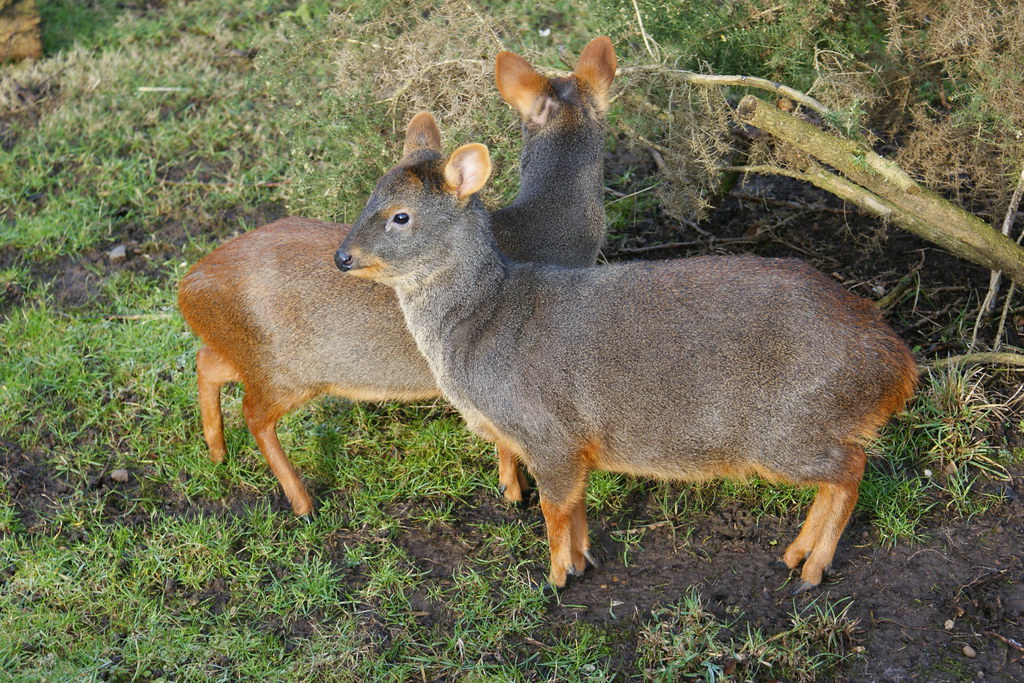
(881, 187)
(694, 78)
(860, 197)
(981, 358)
(693, 243)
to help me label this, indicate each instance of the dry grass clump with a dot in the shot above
(937, 86)
(442, 63)
(357, 78)
(688, 126)
(440, 60)
(26, 87)
(967, 138)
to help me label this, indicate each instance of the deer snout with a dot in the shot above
(343, 259)
(353, 261)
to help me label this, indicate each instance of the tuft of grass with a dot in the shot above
(687, 641)
(938, 452)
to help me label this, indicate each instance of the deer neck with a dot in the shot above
(560, 202)
(447, 306)
(550, 165)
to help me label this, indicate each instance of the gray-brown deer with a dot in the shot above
(680, 369)
(274, 313)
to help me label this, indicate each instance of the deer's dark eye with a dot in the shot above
(399, 221)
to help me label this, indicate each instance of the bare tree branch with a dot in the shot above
(879, 185)
(695, 78)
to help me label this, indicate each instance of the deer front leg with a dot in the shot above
(563, 502)
(511, 481)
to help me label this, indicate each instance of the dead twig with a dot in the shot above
(620, 196)
(693, 243)
(980, 358)
(877, 620)
(659, 161)
(643, 32)
(789, 203)
(1009, 641)
(1002, 317)
(631, 132)
(694, 78)
(989, 302)
(898, 290)
(763, 169)
(137, 316)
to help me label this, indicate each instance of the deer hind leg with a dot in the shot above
(512, 482)
(213, 371)
(843, 498)
(801, 548)
(262, 422)
(826, 521)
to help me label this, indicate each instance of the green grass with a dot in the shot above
(685, 641)
(192, 570)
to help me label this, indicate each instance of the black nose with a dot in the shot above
(343, 260)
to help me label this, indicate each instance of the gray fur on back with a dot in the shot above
(677, 368)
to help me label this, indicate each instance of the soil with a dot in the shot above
(969, 572)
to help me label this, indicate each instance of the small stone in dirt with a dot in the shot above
(119, 476)
(970, 652)
(949, 624)
(117, 254)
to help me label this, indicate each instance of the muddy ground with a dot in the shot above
(967, 571)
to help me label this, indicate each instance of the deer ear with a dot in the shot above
(521, 86)
(467, 170)
(596, 68)
(422, 133)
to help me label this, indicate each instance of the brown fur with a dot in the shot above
(274, 313)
